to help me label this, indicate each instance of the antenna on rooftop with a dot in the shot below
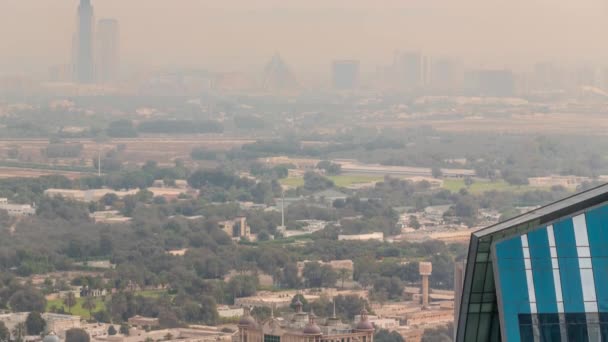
(282, 207)
(98, 161)
(334, 300)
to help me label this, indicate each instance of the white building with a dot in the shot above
(379, 236)
(17, 209)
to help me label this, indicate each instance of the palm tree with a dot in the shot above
(69, 301)
(89, 304)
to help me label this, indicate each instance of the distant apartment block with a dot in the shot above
(345, 74)
(108, 62)
(493, 83)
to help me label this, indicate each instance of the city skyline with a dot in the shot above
(310, 35)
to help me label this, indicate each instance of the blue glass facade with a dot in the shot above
(550, 280)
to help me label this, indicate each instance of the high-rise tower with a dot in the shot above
(108, 62)
(83, 64)
(345, 74)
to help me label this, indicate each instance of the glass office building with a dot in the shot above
(540, 276)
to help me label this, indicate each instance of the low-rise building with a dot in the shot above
(378, 236)
(226, 311)
(425, 317)
(236, 228)
(109, 216)
(17, 209)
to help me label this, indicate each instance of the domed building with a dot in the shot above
(364, 324)
(303, 327)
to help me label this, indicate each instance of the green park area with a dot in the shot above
(57, 304)
(340, 181)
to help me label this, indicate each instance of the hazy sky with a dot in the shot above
(243, 34)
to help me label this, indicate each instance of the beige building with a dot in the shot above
(303, 327)
(17, 209)
(426, 317)
(226, 311)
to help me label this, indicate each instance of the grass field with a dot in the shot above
(100, 305)
(77, 309)
(454, 185)
(341, 180)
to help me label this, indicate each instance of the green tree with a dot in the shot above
(70, 301)
(77, 335)
(289, 276)
(318, 275)
(28, 299)
(34, 323)
(384, 335)
(89, 304)
(436, 172)
(208, 311)
(440, 334)
(19, 332)
(261, 313)
(330, 168)
(168, 319)
(4, 333)
(344, 274)
(316, 182)
(468, 181)
(121, 129)
(124, 329)
(302, 299)
(413, 222)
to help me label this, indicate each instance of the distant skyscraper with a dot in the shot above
(447, 76)
(108, 62)
(410, 67)
(494, 83)
(83, 64)
(345, 74)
